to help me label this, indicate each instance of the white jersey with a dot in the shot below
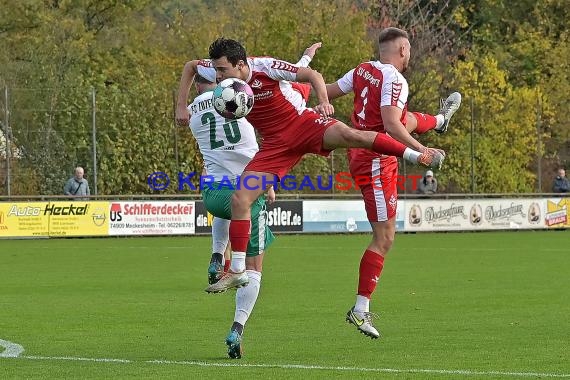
(226, 145)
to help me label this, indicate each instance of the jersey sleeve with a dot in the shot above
(304, 61)
(276, 69)
(394, 89)
(346, 82)
(206, 70)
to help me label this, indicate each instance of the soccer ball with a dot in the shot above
(233, 98)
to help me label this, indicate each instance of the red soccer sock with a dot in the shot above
(371, 266)
(426, 122)
(384, 144)
(239, 234)
(227, 265)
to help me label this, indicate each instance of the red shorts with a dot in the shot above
(380, 193)
(280, 152)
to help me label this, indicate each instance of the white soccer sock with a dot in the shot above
(238, 262)
(246, 297)
(220, 235)
(411, 155)
(439, 120)
(362, 304)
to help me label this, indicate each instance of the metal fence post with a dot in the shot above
(472, 147)
(539, 141)
(175, 130)
(94, 139)
(7, 138)
(332, 170)
(405, 173)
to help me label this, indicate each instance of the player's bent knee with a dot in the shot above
(383, 236)
(383, 244)
(388, 241)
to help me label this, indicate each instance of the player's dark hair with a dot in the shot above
(200, 79)
(231, 49)
(391, 34)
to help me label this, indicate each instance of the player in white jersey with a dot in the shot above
(227, 146)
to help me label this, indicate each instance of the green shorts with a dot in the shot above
(218, 202)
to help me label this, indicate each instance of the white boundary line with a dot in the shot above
(11, 350)
(430, 249)
(14, 351)
(304, 367)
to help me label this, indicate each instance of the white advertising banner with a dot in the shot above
(505, 214)
(341, 216)
(436, 214)
(152, 218)
(474, 214)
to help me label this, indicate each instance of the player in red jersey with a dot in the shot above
(289, 131)
(380, 104)
(221, 252)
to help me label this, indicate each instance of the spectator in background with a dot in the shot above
(561, 183)
(428, 184)
(77, 186)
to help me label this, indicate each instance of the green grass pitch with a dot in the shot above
(456, 305)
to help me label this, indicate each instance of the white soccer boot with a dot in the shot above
(363, 322)
(447, 108)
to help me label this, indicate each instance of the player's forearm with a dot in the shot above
(334, 91)
(186, 82)
(398, 131)
(319, 86)
(317, 82)
(304, 61)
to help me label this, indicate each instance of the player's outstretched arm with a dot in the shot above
(306, 60)
(190, 69)
(308, 55)
(312, 50)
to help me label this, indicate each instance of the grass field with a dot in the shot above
(452, 306)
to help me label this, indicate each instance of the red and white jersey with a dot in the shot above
(277, 102)
(374, 85)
